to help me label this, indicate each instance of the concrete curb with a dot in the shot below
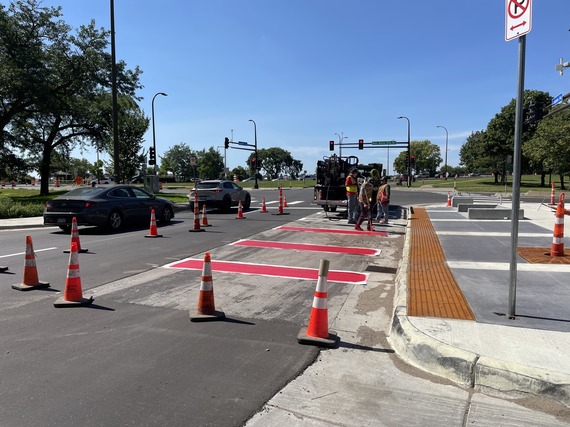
(464, 367)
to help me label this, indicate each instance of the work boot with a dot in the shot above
(358, 227)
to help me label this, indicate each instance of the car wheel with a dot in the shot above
(66, 228)
(247, 202)
(227, 204)
(166, 214)
(115, 220)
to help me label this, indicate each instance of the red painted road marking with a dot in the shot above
(331, 230)
(308, 247)
(272, 271)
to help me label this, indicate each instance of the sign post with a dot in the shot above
(517, 24)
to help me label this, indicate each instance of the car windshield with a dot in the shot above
(207, 185)
(84, 191)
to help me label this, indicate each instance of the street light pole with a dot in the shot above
(153, 133)
(409, 153)
(340, 139)
(446, 138)
(116, 162)
(255, 185)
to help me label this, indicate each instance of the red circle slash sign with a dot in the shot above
(517, 8)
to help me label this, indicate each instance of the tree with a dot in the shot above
(276, 161)
(240, 172)
(52, 82)
(427, 157)
(472, 154)
(550, 144)
(210, 163)
(177, 161)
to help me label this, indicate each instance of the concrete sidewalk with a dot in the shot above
(528, 354)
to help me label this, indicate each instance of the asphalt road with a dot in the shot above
(134, 358)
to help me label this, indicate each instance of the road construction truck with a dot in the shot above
(330, 190)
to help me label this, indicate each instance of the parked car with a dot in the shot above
(137, 179)
(221, 194)
(112, 207)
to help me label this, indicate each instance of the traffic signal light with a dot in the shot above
(331, 145)
(413, 161)
(227, 143)
(361, 144)
(151, 156)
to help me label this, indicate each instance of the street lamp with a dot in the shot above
(116, 162)
(153, 134)
(340, 139)
(255, 185)
(446, 138)
(409, 153)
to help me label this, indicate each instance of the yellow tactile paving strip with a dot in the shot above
(432, 289)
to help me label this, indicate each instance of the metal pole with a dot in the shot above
(340, 139)
(446, 138)
(153, 134)
(116, 164)
(255, 185)
(409, 153)
(516, 180)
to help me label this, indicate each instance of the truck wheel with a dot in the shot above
(333, 208)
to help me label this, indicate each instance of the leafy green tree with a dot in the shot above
(427, 157)
(52, 81)
(472, 154)
(210, 163)
(276, 161)
(550, 144)
(238, 171)
(177, 161)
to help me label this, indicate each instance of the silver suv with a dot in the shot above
(220, 194)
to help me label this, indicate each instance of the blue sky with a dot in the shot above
(307, 69)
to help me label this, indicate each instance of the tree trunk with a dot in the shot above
(44, 169)
(542, 177)
(562, 182)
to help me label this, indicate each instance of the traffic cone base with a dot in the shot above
(331, 341)
(3, 269)
(82, 250)
(196, 316)
(24, 287)
(60, 302)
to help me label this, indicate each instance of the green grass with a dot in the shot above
(487, 184)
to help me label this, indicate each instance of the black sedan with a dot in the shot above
(106, 206)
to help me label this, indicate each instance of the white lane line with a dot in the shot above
(494, 234)
(24, 253)
(504, 266)
(296, 202)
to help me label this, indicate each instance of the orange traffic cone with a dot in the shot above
(284, 201)
(317, 333)
(240, 212)
(552, 195)
(280, 208)
(30, 279)
(72, 294)
(263, 207)
(196, 215)
(448, 199)
(75, 237)
(204, 217)
(557, 248)
(153, 232)
(206, 307)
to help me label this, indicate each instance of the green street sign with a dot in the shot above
(383, 142)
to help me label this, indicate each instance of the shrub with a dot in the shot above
(11, 209)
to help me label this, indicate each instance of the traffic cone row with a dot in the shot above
(153, 232)
(448, 199)
(317, 332)
(196, 215)
(30, 278)
(557, 248)
(552, 195)
(206, 310)
(75, 237)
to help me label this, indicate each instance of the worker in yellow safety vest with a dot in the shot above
(351, 185)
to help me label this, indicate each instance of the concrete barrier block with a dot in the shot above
(464, 207)
(456, 200)
(486, 213)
